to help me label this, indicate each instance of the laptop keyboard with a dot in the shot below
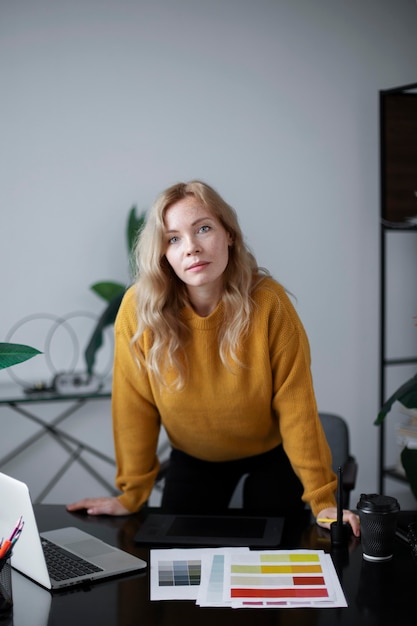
(63, 564)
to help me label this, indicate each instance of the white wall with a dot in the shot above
(274, 102)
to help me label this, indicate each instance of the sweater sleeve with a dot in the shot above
(294, 404)
(136, 422)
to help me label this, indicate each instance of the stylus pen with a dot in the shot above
(339, 530)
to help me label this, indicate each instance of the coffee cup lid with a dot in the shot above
(376, 503)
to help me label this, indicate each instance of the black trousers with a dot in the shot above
(201, 487)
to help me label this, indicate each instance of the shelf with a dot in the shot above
(391, 472)
(401, 361)
(398, 214)
(399, 226)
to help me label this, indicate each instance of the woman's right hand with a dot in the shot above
(99, 506)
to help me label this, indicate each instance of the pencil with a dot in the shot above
(326, 520)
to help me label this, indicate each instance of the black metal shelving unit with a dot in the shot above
(398, 187)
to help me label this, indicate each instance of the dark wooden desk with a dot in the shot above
(377, 594)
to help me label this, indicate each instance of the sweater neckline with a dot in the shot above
(203, 323)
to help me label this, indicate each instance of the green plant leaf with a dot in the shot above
(135, 223)
(113, 292)
(409, 462)
(406, 394)
(96, 340)
(14, 353)
(108, 290)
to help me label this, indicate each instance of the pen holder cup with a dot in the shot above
(6, 596)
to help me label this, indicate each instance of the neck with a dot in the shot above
(204, 302)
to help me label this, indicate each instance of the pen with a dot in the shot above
(6, 545)
(5, 548)
(17, 528)
(17, 534)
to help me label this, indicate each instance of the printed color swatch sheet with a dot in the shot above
(238, 577)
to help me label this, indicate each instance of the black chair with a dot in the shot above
(337, 434)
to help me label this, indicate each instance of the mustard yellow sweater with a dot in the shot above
(222, 415)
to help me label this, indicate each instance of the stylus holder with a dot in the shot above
(6, 596)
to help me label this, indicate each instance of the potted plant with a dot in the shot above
(113, 292)
(14, 353)
(406, 395)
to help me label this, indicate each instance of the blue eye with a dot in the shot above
(204, 229)
(173, 240)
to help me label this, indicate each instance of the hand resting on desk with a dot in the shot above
(99, 506)
(348, 517)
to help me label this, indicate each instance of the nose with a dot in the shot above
(193, 246)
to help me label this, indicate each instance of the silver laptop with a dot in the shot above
(70, 544)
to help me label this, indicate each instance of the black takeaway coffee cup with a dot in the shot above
(378, 516)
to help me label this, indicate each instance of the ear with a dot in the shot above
(230, 239)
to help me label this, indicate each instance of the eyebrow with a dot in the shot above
(200, 219)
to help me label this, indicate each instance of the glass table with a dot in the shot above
(22, 402)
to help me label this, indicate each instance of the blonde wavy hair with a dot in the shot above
(161, 295)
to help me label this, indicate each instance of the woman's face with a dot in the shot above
(197, 247)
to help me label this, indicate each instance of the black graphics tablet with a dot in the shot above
(210, 530)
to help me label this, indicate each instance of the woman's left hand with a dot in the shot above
(331, 514)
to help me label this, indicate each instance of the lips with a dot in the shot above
(197, 266)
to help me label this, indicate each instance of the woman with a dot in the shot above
(209, 345)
